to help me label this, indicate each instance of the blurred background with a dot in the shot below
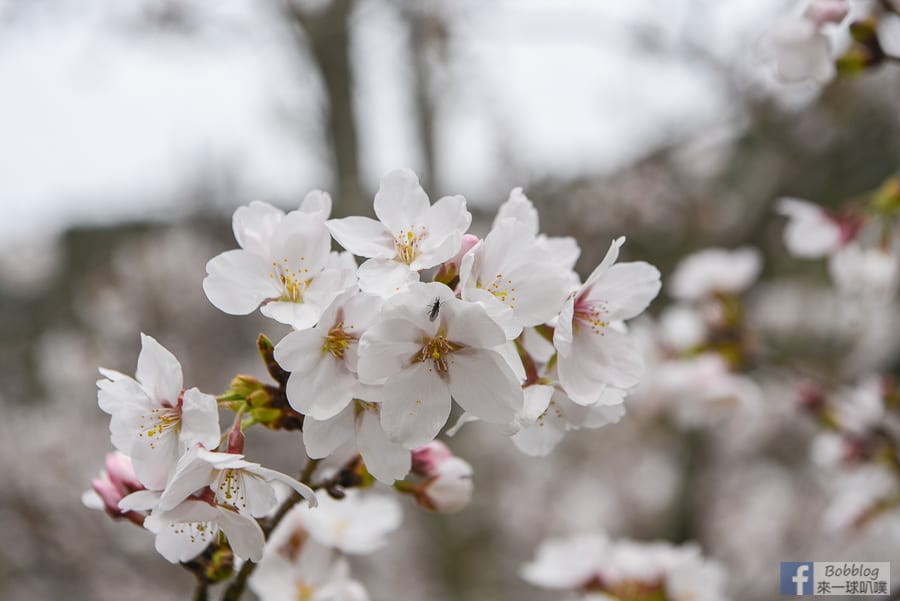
(129, 132)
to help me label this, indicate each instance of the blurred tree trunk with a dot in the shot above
(326, 33)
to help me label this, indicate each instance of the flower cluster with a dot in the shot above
(188, 492)
(375, 358)
(600, 569)
(506, 329)
(700, 347)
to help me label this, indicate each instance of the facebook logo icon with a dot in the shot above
(796, 578)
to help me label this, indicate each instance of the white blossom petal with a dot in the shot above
(238, 281)
(416, 405)
(384, 459)
(485, 386)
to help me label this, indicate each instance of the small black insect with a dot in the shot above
(434, 308)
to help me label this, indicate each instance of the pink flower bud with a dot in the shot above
(425, 460)
(827, 11)
(450, 488)
(116, 482)
(121, 473)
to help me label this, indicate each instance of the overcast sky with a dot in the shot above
(104, 120)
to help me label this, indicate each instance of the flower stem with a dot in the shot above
(239, 584)
(200, 593)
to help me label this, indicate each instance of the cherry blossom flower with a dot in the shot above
(358, 424)
(593, 352)
(604, 569)
(562, 251)
(322, 360)
(153, 420)
(422, 362)
(715, 271)
(411, 234)
(304, 570)
(548, 414)
(236, 484)
(184, 531)
(284, 264)
(810, 232)
(358, 524)
(511, 276)
(871, 275)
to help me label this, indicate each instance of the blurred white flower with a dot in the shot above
(304, 571)
(357, 524)
(604, 569)
(422, 362)
(802, 49)
(810, 232)
(322, 360)
(859, 495)
(593, 352)
(681, 328)
(868, 274)
(154, 421)
(411, 235)
(715, 270)
(285, 264)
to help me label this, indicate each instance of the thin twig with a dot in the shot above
(239, 584)
(200, 593)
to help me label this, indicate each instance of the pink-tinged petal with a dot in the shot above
(317, 203)
(384, 459)
(191, 474)
(400, 201)
(154, 457)
(564, 332)
(598, 361)
(322, 391)
(363, 237)
(386, 348)
(184, 533)
(274, 476)
(238, 281)
(485, 386)
(499, 312)
(245, 537)
(537, 399)
(254, 226)
(470, 325)
(611, 256)
(322, 438)
(299, 351)
(303, 240)
(119, 392)
(416, 405)
(510, 354)
(258, 495)
(538, 439)
(199, 420)
(384, 277)
(626, 289)
(159, 372)
(142, 500)
(446, 217)
(518, 209)
(299, 316)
